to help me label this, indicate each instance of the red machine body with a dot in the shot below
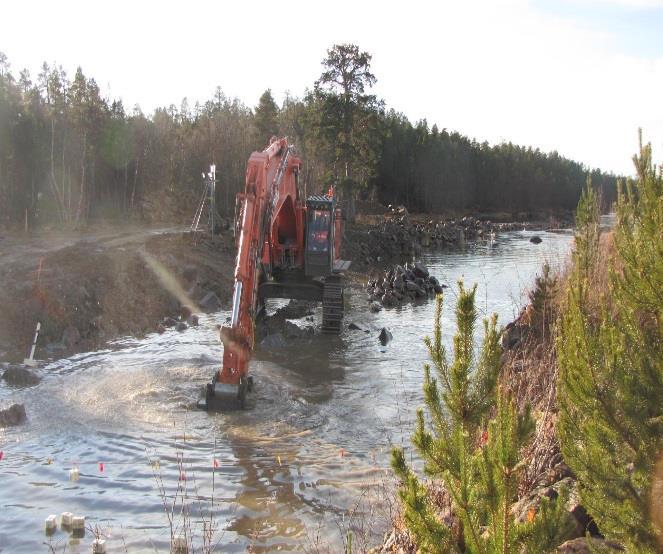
(277, 258)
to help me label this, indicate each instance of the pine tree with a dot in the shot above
(611, 362)
(479, 469)
(266, 119)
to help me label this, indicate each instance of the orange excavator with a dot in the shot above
(286, 248)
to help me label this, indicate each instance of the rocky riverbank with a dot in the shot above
(399, 237)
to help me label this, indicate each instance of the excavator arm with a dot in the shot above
(265, 173)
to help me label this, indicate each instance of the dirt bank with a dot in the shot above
(86, 290)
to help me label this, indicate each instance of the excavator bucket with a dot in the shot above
(226, 397)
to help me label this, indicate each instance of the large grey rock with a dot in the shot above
(275, 340)
(385, 336)
(375, 307)
(420, 270)
(536, 239)
(588, 545)
(295, 309)
(210, 302)
(20, 376)
(71, 336)
(14, 415)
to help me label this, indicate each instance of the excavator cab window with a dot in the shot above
(319, 236)
(319, 230)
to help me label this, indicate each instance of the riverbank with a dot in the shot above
(89, 289)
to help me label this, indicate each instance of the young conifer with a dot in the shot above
(610, 351)
(478, 468)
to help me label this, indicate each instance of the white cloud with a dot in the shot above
(495, 71)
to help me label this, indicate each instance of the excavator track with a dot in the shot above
(332, 306)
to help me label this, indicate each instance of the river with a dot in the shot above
(305, 464)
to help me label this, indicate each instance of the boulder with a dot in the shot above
(385, 336)
(420, 270)
(354, 327)
(14, 415)
(169, 322)
(210, 302)
(71, 336)
(375, 307)
(275, 340)
(536, 239)
(511, 336)
(161, 328)
(190, 273)
(20, 376)
(192, 320)
(295, 309)
(588, 545)
(181, 326)
(293, 331)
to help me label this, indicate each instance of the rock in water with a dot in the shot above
(354, 327)
(210, 303)
(169, 322)
(385, 336)
(275, 340)
(536, 239)
(193, 320)
(181, 326)
(20, 376)
(14, 415)
(375, 307)
(420, 270)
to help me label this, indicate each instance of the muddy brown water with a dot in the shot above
(305, 464)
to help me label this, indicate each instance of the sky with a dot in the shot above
(576, 77)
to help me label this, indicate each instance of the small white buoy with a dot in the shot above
(78, 522)
(74, 474)
(99, 546)
(51, 523)
(65, 519)
(180, 545)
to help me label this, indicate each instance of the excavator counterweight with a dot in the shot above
(286, 248)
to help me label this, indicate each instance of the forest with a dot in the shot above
(69, 155)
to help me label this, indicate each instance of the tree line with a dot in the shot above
(69, 155)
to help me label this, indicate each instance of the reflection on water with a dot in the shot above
(291, 468)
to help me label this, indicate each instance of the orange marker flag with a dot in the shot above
(101, 467)
(2, 454)
(216, 463)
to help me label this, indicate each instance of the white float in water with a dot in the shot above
(99, 546)
(65, 519)
(74, 474)
(180, 545)
(51, 523)
(78, 522)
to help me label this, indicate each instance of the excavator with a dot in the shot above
(286, 248)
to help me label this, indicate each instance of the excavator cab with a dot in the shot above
(319, 252)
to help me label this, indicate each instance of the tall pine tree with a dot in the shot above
(611, 362)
